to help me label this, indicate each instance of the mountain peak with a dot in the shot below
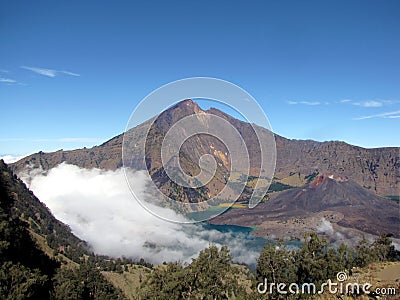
(322, 178)
(187, 105)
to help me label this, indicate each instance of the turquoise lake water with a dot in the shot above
(248, 242)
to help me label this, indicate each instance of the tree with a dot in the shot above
(384, 249)
(210, 276)
(85, 282)
(20, 282)
(364, 254)
(165, 282)
(312, 262)
(276, 263)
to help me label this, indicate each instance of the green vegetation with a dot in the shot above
(278, 187)
(214, 276)
(394, 198)
(311, 177)
(317, 260)
(85, 282)
(210, 276)
(25, 270)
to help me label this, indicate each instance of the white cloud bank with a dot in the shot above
(100, 209)
(8, 159)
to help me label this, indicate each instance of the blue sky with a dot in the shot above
(71, 72)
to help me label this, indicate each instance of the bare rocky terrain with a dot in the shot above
(339, 208)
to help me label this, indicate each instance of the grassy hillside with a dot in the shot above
(384, 276)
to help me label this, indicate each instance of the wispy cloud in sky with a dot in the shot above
(7, 80)
(304, 102)
(49, 72)
(368, 103)
(386, 115)
(70, 73)
(3, 71)
(371, 103)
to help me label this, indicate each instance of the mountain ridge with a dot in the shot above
(376, 169)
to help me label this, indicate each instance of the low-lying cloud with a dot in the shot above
(8, 159)
(100, 209)
(325, 226)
